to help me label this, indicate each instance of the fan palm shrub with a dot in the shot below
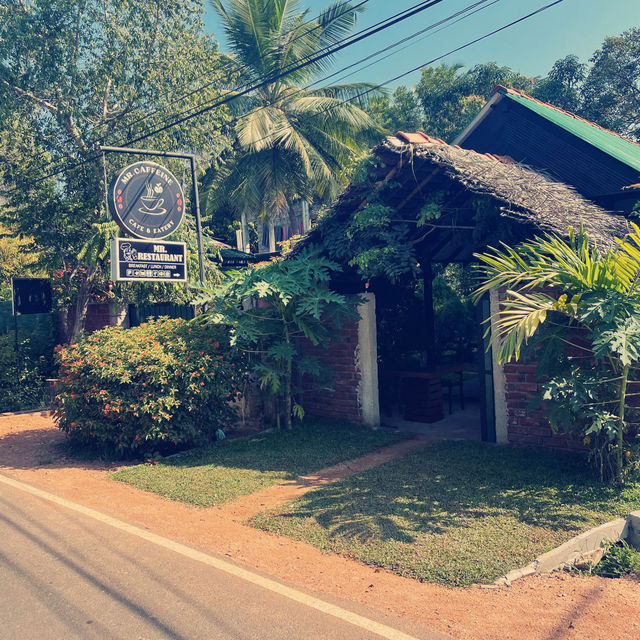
(293, 138)
(578, 310)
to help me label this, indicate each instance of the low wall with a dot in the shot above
(340, 358)
(353, 361)
(99, 316)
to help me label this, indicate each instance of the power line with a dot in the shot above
(296, 66)
(239, 68)
(326, 52)
(369, 90)
(460, 15)
(436, 59)
(230, 64)
(457, 15)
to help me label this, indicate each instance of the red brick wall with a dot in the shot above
(98, 317)
(340, 358)
(526, 425)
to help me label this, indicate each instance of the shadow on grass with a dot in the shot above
(457, 485)
(229, 469)
(306, 448)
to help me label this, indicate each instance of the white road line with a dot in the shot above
(254, 578)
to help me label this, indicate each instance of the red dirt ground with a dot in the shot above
(556, 606)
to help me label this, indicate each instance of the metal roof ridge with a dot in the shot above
(424, 139)
(517, 92)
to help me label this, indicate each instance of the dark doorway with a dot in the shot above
(429, 352)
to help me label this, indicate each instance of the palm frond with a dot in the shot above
(519, 319)
(359, 92)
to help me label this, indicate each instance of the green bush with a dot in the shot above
(619, 560)
(22, 384)
(162, 386)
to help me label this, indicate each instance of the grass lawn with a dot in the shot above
(455, 513)
(231, 468)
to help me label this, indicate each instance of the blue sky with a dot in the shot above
(531, 47)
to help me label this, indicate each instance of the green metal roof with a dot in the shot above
(616, 146)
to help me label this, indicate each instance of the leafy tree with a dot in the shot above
(271, 307)
(450, 99)
(577, 311)
(562, 85)
(18, 256)
(291, 140)
(400, 112)
(611, 90)
(75, 73)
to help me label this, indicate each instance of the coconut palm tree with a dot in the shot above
(292, 138)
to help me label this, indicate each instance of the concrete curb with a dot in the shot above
(580, 548)
(25, 412)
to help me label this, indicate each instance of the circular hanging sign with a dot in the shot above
(147, 201)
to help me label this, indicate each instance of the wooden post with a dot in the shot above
(429, 316)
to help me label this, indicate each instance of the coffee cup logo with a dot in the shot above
(147, 201)
(151, 204)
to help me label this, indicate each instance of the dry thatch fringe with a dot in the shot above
(525, 194)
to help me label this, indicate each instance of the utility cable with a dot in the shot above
(428, 62)
(380, 26)
(234, 94)
(231, 66)
(325, 52)
(357, 97)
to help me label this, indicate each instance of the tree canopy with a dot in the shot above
(605, 90)
(75, 73)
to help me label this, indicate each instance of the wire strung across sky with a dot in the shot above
(428, 62)
(232, 95)
(469, 10)
(249, 87)
(429, 31)
(356, 97)
(460, 15)
(230, 66)
(325, 52)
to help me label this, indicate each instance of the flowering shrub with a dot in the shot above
(161, 386)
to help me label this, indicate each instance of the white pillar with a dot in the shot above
(243, 236)
(272, 238)
(306, 218)
(119, 315)
(367, 362)
(499, 380)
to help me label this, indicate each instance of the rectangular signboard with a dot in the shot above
(30, 295)
(148, 260)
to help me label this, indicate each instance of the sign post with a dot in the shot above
(28, 296)
(147, 201)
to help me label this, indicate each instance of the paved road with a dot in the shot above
(65, 574)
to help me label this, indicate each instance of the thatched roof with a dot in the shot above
(525, 193)
(528, 201)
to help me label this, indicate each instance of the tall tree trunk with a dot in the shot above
(82, 303)
(63, 325)
(293, 220)
(287, 386)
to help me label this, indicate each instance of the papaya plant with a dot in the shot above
(271, 307)
(576, 309)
